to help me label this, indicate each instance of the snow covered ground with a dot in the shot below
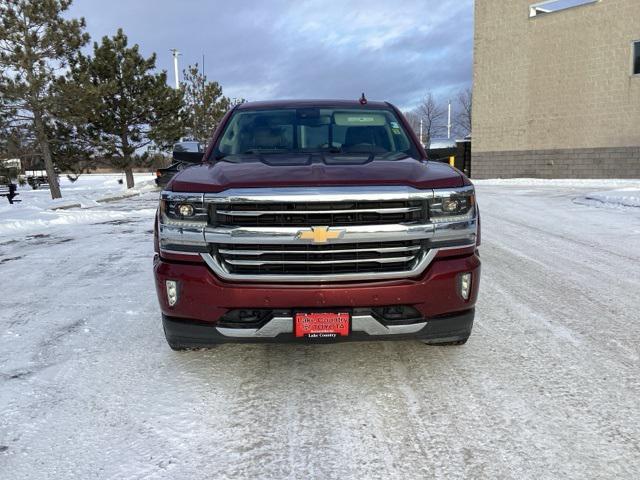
(34, 208)
(625, 197)
(617, 193)
(546, 388)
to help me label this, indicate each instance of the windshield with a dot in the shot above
(337, 131)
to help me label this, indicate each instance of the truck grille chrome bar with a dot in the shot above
(317, 262)
(341, 250)
(306, 214)
(326, 259)
(310, 273)
(257, 213)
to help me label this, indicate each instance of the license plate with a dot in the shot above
(321, 324)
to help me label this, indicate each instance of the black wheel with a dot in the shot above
(180, 336)
(175, 346)
(462, 341)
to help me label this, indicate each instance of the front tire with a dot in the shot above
(175, 346)
(449, 343)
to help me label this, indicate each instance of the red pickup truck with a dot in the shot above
(312, 221)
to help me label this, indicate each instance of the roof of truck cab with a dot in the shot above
(311, 103)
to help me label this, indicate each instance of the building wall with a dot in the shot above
(554, 95)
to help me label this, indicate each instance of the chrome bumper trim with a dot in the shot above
(179, 252)
(272, 328)
(177, 235)
(317, 194)
(359, 323)
(352, 234)
(371, 326)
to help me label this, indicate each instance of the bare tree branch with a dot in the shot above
(462, 119)
(432, 114)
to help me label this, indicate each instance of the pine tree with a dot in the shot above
(5, 125)
(204, 103)
(72, 151)
(122, 105)
(36, 43)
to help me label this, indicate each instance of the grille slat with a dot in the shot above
(307, 214)
(357, 250)
(258, 213)
(287, 259)
(317, 262)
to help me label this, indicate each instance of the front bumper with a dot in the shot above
(204, 299)
(200, 334)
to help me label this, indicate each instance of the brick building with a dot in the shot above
(556, 89)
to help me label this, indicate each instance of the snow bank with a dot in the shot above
(562, 182)
(612, 193)
(626, 197)
(37, 209)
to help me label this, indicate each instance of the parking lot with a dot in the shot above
(547, 386)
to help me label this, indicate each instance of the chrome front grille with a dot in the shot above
(325, 259)
(307, 214)
(316, 234)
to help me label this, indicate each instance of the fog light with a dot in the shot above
(465, 285)
(172, 292)
(186, 210)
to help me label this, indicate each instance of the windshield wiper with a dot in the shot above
(226, 156)
(222, 155)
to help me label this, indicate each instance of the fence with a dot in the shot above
(461, 154)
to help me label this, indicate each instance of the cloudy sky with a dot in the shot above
(393, 50)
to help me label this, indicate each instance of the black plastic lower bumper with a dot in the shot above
(189, 333)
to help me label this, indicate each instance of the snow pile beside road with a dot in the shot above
(611, 193)
(80, 203)
(563, 182)
(626, 197)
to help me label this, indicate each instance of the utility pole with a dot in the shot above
(204, 100)
(176, 53)
(421, 121)
(449, 122)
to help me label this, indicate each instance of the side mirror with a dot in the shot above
(188, 157)
(188, 152)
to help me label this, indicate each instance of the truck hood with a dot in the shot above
(302, 171)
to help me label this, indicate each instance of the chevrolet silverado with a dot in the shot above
(316, 221)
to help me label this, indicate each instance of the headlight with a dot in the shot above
(182, 210)
(185, 210)
(455, 205)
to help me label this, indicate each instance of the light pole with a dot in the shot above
(449, 122)
(176, 53)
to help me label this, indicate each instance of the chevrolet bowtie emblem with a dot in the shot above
(319, 234)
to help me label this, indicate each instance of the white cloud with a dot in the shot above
(291, 49)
